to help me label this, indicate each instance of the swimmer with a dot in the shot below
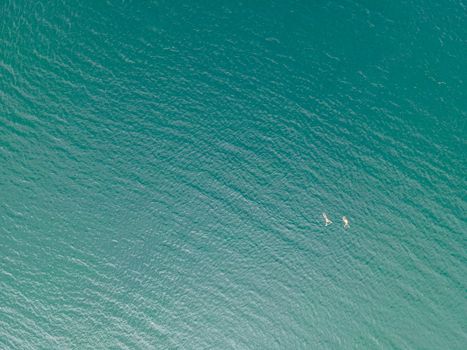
(346, 222)
(326, 220)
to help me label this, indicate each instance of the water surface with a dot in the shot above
(164, 167)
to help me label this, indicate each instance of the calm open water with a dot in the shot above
(164, 166)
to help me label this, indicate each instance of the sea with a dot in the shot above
(164, 168)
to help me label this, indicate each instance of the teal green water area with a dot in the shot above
(164, 167)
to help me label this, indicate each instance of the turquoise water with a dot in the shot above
(164, 167)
